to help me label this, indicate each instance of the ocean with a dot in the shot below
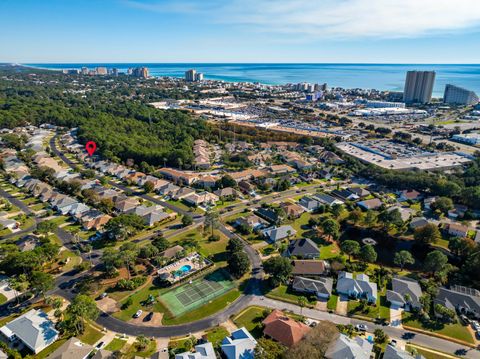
(368, 76)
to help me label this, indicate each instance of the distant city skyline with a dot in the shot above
(240, 31)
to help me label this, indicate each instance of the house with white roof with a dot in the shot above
(239, 345)
(358, 287)
(202, 351)
(33, 329)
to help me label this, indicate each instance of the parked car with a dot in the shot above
(148, 317)
(138, 313)
(103, 295)
(100, 345)
(393, 343)
(361, 327)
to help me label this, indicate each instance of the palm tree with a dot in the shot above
(302, 302)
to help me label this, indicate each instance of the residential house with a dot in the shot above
(253, 221)
(321, 287)
(73, 348)
(457, 230)
(330, 158)
(268, 214)
(178, 176)
(275, 234)
(309, 268)
(405, 293)
(359, 191)
(201, 198)
(458, 211)
(239, 345)
(247, 174)
(409, 195)
(208, 181)
(326, 199)
(65, 204)
(172, 252)
(284, 329)
(358, 287)
(325, 174)
(227, 192)
(8, 223)
(78, 208)
(125, 205)
(369, 204)
(418, 222)
(349, 348)
(405, 213)
(309, 203)
(182, 193)
(168, 190)
(33, 329)
(302, 248)
(292, 210)
(202, 351)
(395, 352)
(427, 202)
(463, 299)
(345, 195)
(281, 170)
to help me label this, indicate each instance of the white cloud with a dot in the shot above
(332, 18)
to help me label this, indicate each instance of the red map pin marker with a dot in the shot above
(91, 147)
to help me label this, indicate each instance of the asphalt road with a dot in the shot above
(24, 208)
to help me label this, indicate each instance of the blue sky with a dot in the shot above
(393, 31)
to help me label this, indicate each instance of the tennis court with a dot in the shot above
(193, 295)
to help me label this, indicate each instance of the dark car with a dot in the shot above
(148, 317)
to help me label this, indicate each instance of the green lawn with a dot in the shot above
(144, 353)
(216, 335)
(59, 220)
(332, 302)
(91, 335)
(301, 224)
(381, 310)
(284, 293)
(116, 344)
(329, 251)
(50, 349)
(426, 354)
(251, 318)
(453, 330)
(3, 299)
(137, 298)
(73, 260)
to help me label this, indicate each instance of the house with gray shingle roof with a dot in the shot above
(349, 348)
(405, 292)
(302, 248)
(463, 299)
(358, 287)
(274, 234)
(392, 352)
(33, 329)
(321, 287)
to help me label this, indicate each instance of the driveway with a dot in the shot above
(396, 316)
(342, 305)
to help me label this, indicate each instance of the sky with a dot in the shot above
(226, 31)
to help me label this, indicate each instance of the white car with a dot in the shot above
(361, 327)
(138, 313)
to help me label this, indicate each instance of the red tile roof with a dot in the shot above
(284, 329)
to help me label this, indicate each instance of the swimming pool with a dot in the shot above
(182, 270)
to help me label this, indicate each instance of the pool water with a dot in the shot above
(182, 270)
(185, 268)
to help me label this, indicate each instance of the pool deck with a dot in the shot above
(194, 260)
